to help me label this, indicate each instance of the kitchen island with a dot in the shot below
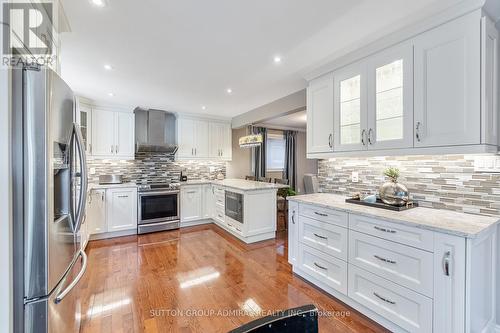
(246, 209)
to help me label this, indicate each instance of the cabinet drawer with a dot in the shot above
(328, 238)
(324, 215)
(406, 308)
(404, 265)
(220, 200)
(327, 269)
(420, 238)
(219, 213)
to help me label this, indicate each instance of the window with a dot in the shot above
(275, 152)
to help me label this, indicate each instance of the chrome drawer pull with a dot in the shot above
(384, 229)
(293, 217)
(319, 266)
(320, 214)
(319, 236)
(123, 196)
(384, 299)
(384, 259)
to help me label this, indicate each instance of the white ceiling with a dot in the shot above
(180, 55)
(294, 120)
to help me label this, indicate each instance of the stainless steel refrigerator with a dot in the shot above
(49, 195)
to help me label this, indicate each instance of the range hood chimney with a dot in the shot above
(155, 131)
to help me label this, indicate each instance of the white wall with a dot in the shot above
(5, 201)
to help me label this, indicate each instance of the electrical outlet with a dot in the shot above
(92, 171)
(355, 177)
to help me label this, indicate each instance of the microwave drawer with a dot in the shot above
(328, 238)
(402, 306)
(404, 265)
(324, 214)
(416, 237)
(327, 269)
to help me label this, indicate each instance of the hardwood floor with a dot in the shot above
(197, 279)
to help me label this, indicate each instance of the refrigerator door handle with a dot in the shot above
(73, 283)
(84, 178)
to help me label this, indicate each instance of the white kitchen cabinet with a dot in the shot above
(96, 212)
(448, 84)
(84, 119)
(113, 134)
(103, 136)
(208, 199)
(407, 278)
(121, 209)
(489, 81)
(350, 108)
(390, 98)
(220, 140)
(124, 134)
(191, 203)
(193, 138)
(320, 115)
(293, 232)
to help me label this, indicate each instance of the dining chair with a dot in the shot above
(249, 177)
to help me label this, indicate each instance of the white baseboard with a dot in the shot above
(197, 222)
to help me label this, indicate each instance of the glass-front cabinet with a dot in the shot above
(373, 105)
(83, 118)
(390, 101)
(350, 108)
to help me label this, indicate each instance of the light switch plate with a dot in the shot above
(355, 177)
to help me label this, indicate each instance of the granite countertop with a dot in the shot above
(239, 184)
(103, 186)
(446, 221)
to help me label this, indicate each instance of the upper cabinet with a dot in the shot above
(84, 119)
(390, 98)
(220, 140)
(432, 93)
(350, 108)
(113, 134)
(448, 83)
(203, 139)
(320, 115)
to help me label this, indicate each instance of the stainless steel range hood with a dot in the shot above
(155, 131)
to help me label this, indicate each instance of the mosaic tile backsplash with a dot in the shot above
(155, 167)
(437, 181)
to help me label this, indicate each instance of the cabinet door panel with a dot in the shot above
(124, 134)
(320, 115)
(227, 144)
(96, 215)
(186, 137)
(215, 139)
(122, 209)
(201, 136)
(103, 137)
(293, 232)
(350, 112)
(447, 84)
(390, 98)
(191, 203)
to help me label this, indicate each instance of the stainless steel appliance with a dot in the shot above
(234, 206)
(110, 179)
(50, 189)
(158, 207)
(155, 131)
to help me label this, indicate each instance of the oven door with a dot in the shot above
(158, 207)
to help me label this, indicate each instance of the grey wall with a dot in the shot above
(286, 105)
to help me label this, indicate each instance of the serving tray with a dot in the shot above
(380, 204)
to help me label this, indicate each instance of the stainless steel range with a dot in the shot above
(158, 207)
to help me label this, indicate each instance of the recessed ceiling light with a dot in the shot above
(229, 90)
(111, 94)
(98, 3)
(277, 59)
(203, 107)
(108, 67)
